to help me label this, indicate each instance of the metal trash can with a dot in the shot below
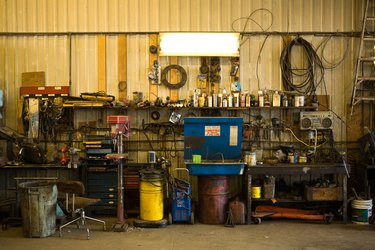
(38, 208)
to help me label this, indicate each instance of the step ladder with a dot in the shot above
(364, 85)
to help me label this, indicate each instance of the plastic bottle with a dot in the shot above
(230, 101)
(276, 99)
(209, 101)
(260, 98)
(225, 102)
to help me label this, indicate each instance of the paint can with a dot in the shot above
(361, 211)
(256, 192)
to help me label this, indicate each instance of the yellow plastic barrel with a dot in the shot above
(151, 196)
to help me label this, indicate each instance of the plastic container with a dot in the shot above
(38, 208)
(269, 187)
(361, 211)
(238, 209)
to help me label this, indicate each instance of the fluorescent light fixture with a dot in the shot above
(199, 44)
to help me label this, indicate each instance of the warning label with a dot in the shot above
(212, 130)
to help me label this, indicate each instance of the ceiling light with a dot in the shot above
(199, 44)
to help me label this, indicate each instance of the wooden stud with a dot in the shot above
(122, 67)
(153, 88)
(173, 79)
(102, 70)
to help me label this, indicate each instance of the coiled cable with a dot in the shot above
(302, 80)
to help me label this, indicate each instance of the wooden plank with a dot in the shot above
(153, 88)
(33, 79)
(173, 78)
(102, 63)
(122, 67)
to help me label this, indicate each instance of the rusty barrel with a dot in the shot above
(213, 192)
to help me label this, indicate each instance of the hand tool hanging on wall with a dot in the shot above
(154, 74)
(215, 70)
(235, 61)
(204, 69)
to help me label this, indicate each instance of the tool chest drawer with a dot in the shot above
(103, 195)
(107, 202)
(102, 185)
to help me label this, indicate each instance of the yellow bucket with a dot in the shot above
(255, 192)
(151, 199)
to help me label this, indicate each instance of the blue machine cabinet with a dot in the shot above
(218, 140)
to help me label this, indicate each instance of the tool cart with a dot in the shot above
(181, 203)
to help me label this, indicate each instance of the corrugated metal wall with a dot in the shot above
(51, 52)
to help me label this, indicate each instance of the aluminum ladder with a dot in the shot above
(364, 85)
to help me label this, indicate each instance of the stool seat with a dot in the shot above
(81, 202)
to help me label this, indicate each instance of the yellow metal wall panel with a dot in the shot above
(51, 53)
(3, 17)
(123, 17)
(84, 61)
(194, 15)
(102, 63)
(113, 14)
(153, 15)
(101, 16)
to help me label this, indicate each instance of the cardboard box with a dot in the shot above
(33, 79)
(323, 193)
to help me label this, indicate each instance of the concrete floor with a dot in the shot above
(270, 234)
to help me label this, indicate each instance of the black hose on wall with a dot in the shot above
(309, 77)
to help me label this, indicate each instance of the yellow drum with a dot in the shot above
(151, 196)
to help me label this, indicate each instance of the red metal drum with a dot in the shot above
(213, 192)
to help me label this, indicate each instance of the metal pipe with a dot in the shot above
(73, 33)
(70, 64)
(120, 180)
(270, 33)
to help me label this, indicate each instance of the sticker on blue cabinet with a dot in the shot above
(233, 136)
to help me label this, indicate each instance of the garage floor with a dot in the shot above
(270, 234)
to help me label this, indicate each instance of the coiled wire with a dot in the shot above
(302, 80)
